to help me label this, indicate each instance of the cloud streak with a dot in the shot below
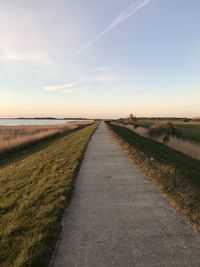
(65, 88)
(61, 88)
(123, 16)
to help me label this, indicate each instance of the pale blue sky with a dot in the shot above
(103, 58)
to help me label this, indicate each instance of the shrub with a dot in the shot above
(164, 130)
(186, 120)
(132, 119)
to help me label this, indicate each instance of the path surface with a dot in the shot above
(118, 218)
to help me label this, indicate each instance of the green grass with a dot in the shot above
(35, 187)
(144, 123)
(177, 175)
(190, 131)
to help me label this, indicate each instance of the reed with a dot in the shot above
(186, 147)
(12, 137)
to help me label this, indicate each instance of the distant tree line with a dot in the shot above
(184, 119)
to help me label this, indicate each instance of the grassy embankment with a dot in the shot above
(16, 137)
(35, 187)
(176, 174)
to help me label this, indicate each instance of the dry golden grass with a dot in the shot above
(16, 136)
(189, 148)
(186, 147)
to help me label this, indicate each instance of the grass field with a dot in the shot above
(176, 174)
(35, 187)
(190, 131)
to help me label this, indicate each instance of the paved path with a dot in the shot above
(118, 218)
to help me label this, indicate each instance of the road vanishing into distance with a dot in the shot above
(118, 218)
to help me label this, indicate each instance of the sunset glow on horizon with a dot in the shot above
(99, 59)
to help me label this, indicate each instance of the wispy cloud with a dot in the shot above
(66, 88)
(62, 88)
(123, 16)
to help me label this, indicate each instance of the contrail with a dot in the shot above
(123, 16)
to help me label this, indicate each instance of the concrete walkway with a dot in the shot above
(118, 218)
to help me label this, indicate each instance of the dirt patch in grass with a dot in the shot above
(35, 187)
(175, 174)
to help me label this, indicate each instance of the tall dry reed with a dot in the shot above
(15, 136)
(186, 147)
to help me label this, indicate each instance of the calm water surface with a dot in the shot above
(12, 122)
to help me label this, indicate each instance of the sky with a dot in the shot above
(99, 59)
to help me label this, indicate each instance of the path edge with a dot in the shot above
(76, 172)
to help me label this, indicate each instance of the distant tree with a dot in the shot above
(133, 120)
(129, 120)
(186, 120)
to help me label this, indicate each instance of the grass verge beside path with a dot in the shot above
(176, 174)
(34, 190)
